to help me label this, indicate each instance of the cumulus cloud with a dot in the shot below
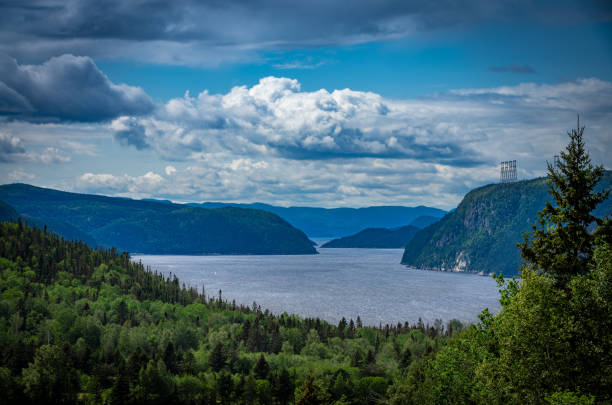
(275, 143)
(65, 88)
(274, 117)
(204, 33)
(120, 185)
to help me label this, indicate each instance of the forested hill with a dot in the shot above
(381, 238)
(82, 325)
(334, 222)
(482, 233)
(155, 228)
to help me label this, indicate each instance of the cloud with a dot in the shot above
(50, 155)
(190, 32)
(276, 118)
(120, 185)
(65, 88)
(513, 68)
(276, 143)
(129, 131)
(11, 148)
(20, 175)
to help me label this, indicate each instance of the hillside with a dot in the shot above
(381, 238)
(85, 325)
(7, 213)
(481, 234)
(334, 222)
(155, 228)
(424, 221)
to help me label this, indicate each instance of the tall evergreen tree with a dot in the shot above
(562, 245)
(262, 368)
(217, 358)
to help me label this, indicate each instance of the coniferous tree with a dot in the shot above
(311, 392)
(562, 246)
(284, 387)
(217, 358)
(262, 368)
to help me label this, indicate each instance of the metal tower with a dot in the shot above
(508, 171)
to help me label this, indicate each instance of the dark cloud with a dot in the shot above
(65, 88)
(129, 131)
(31, 28)
(513, 68)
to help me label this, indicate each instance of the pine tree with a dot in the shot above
(311, 393)
(562, 246)
(262, 368)
(217, 358)
(284, 387)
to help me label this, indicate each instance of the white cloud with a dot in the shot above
(50, 155)
(124, 185)
(275, 118)
(20, 175)
(275, 143)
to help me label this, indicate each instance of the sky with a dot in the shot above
(312, 103)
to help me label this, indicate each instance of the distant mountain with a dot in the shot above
(7, 213)
(424, 221)
(334, 222)
(382, 238)
(153, 227)
(482, 233)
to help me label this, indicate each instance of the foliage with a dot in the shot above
(90, 325)
(563, 245)
(551, 342)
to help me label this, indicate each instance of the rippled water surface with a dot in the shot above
(335, 283)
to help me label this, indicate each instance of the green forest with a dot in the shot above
(84, 325)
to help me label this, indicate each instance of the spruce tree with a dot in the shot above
(561, 245)
(217, 358)
(262, 368)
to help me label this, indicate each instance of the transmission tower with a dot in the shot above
(508, 171)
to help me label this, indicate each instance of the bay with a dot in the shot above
(370, 283)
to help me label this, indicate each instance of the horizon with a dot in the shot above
(161, 201)
(312, 105)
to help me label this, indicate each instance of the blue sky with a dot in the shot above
(297, 103)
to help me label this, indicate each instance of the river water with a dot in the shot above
(370, 283)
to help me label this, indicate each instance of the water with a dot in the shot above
(335, 283)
